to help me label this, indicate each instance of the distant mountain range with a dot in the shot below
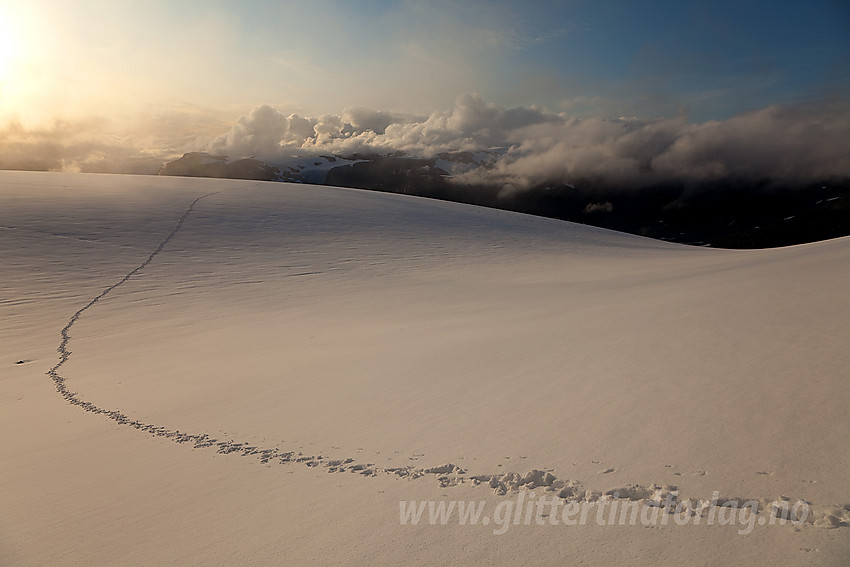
(728, 214)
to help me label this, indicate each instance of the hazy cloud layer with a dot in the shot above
(72, 146)
(791, 143)
(137, 143)
(472, 124)
(531, 147)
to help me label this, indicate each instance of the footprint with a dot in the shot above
(447, 474)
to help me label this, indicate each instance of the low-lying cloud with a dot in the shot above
(782, 143)
(75, 146)
(529, 147)
(472, 124)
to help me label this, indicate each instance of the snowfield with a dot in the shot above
(221, 372)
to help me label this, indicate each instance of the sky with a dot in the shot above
(157, 77)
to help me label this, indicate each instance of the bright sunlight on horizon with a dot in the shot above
(125, 86)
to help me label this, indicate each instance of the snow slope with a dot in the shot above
(257, 373)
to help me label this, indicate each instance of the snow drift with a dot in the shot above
(259, 372)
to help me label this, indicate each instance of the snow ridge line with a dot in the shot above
(447, 474)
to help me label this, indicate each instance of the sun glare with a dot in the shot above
(8, 48)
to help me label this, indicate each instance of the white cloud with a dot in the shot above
(786, 143)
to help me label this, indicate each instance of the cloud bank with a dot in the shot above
(528, 146)
(782, 143)
(140, 145)
(472, 124)
(72, 146)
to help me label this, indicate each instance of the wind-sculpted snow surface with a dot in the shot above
(265, 373)
(447, 475)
